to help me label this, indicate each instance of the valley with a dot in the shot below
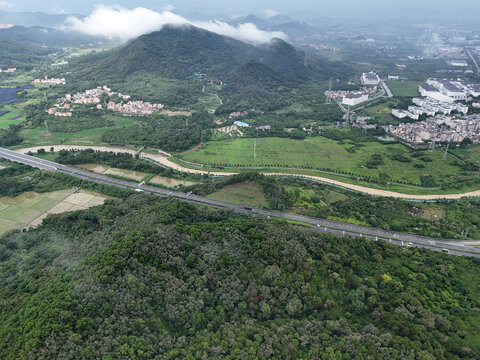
(197, 184)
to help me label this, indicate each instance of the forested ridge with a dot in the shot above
(146, 278)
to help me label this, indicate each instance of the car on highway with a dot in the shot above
(247, 207)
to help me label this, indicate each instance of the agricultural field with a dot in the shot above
(397, 161)
(246, 193)
(29, 209)
(404, 88)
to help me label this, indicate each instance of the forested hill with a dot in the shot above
(14, 53)
(180, 52)
(146, 278)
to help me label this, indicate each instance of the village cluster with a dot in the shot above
(439, 99)
(8, 70)
(439, 129)
(95, 97)
(50, 81)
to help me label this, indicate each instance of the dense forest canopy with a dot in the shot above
(145, 278)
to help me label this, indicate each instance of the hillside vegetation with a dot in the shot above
(146, 278)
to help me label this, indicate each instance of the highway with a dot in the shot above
(469, 53)
(334, 227)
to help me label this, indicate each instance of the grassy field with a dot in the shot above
(39, 136)
(403, 88)
(320, 152)
(8, 119)
(245, 193)
(381, 113)
(18, 211)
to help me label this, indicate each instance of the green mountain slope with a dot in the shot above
(173, 52)
(14, 53)
(146, 278)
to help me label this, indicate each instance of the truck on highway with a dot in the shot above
(247, 207)
(141, 191)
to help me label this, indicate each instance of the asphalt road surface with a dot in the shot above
(334, 227)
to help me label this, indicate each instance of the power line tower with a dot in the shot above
(347, 118)
(446, 152)
(329, 94)
(305, 63)
(431, 146)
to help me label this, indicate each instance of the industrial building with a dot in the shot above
(370, 78)
(354, 99)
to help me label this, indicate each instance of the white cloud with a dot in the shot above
(270, 13)
(6, 5)
(128, 24)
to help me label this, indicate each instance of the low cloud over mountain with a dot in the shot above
(127, 24)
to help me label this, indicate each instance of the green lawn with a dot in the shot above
(322, 153)
(403, 88)
(244, 194)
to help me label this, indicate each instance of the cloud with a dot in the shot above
(6, 5)
(270, 13)
(127, 24)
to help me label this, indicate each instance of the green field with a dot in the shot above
(323, 153)
(244, 194)
(18, 211)
(8, 119)
(403, 88)
(15, 212)
(39, 136)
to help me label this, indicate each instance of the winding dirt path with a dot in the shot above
(162, 159)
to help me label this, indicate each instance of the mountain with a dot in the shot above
(33, 18)
(252, 19)
(278, 20)
(180, 52)
(14, 53)
(37, 35)
(295, 29)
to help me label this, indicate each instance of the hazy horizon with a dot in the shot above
(306, 10)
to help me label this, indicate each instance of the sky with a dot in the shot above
(308, 8)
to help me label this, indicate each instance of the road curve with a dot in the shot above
(330, 226)
(163, 160)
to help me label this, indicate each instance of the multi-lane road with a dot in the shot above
(321, 225)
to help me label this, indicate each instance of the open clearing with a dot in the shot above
(31, 208)
(169, 182)
(100, 169)
(323, 153)
(403, 88)
(245, 193)
(129, 174)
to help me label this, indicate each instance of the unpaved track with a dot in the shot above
(166, 162)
